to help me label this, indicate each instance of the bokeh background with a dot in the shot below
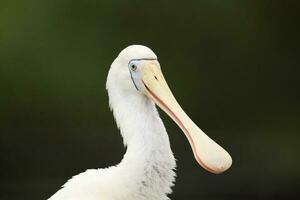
(233, 66)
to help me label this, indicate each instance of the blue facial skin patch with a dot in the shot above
(133, 80)
(136, 75)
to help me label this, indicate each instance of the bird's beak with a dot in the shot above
(207, 152)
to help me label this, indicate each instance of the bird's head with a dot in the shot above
(137, 71)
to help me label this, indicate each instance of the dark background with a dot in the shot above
(233, 66)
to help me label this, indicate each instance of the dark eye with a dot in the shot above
(133, 67)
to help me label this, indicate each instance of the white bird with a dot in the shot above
(135, 84)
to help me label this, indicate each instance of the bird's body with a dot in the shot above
(146, 171)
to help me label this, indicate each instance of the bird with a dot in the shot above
(135, 85)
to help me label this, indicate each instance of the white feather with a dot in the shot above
(146, 170)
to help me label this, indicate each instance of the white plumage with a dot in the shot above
(146, 171)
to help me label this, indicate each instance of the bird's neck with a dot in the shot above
(148, 160)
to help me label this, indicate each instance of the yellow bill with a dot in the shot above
(207, 152)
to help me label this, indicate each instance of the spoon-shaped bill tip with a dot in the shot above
(207, 152)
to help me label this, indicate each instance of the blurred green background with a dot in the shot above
(233, 66)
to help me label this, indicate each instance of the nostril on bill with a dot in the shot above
(155, 78)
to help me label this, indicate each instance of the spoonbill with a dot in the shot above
(135, 83)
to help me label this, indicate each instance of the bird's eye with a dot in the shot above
(133, 67)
